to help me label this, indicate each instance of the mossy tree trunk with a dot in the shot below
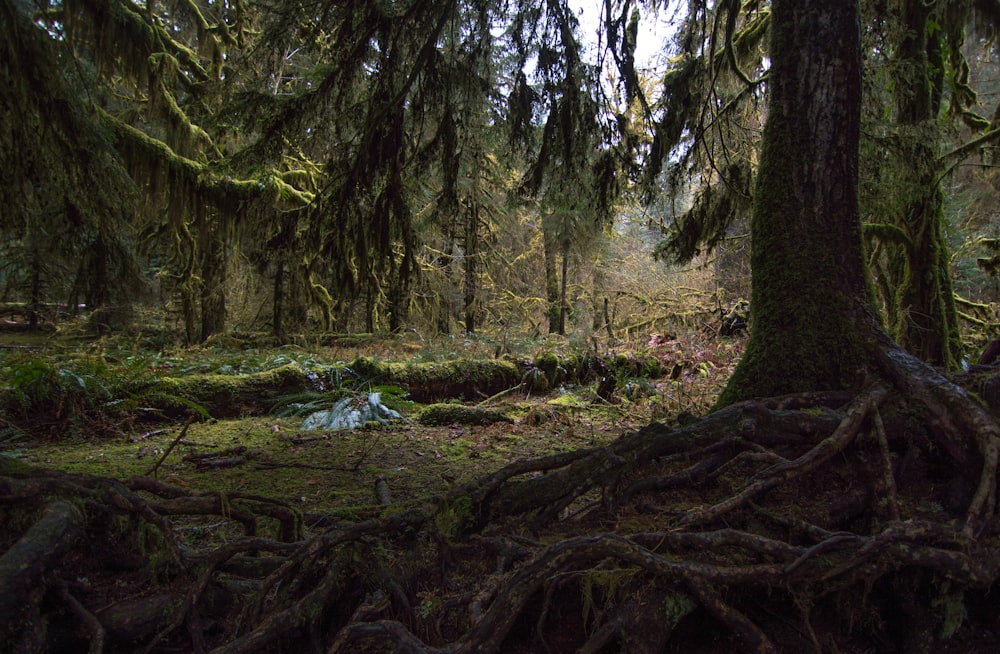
(563, 299)
(550, 246)
(213, 276)
(471, 285)
(810, 299)
(925, 318)
(278, 299)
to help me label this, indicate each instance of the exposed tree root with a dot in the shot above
(804, 523)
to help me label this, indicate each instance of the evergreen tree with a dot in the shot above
(810, 306)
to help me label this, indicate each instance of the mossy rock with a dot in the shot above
(439, 415)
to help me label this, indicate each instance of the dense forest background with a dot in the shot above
(207, 167)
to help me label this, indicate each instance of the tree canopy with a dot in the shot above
(362, 160)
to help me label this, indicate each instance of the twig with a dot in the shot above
(180, 437)
(502, 393)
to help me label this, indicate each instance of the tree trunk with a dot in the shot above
(279, 293)
(551, 279)
(35, 300)
(925, 317)
(810, 300)
(444, 297)
(213, 295)
(471, 273)
(563, 303)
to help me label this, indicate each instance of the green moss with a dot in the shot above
(548, 363)
(677, 605)
(438, 415)
(950, 606)
(230, 395)
(454, 517)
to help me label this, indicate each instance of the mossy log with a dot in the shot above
(467, 379)
(439, 415)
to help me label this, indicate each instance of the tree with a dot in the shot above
(919, 47)
(56, 153)
(814, 328)
(810, 305)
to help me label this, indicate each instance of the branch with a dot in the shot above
(951, 159)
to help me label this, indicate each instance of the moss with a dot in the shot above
(677, 605)
(609, 584)
(433, 381)
(548, 363)
(233, 395)
(949, 604)
(437, 415)
(454, 517)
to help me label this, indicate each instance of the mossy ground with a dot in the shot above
(322, 472)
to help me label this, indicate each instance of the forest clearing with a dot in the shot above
(459, 326)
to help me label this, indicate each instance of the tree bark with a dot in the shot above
(471, 286)
(810, 308)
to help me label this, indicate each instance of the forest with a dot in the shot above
(447, 326)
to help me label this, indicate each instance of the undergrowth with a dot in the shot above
(105, 387)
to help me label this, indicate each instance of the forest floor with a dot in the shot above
(334, 471)
(539, 497)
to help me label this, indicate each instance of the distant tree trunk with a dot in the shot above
(444, 307)
(810, 303)
(213, 295)
(189, 312)
(596, 293)
(471, 273)
(563, 300)
(551, 280)
(93, 278)
(448, 209)
(278, 299)
(925, 316)
(370, 306)
(35, 298)
(395, 300)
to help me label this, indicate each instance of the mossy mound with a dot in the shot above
(432, 382)
(439, 415)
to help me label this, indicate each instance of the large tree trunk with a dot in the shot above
(810, 299)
